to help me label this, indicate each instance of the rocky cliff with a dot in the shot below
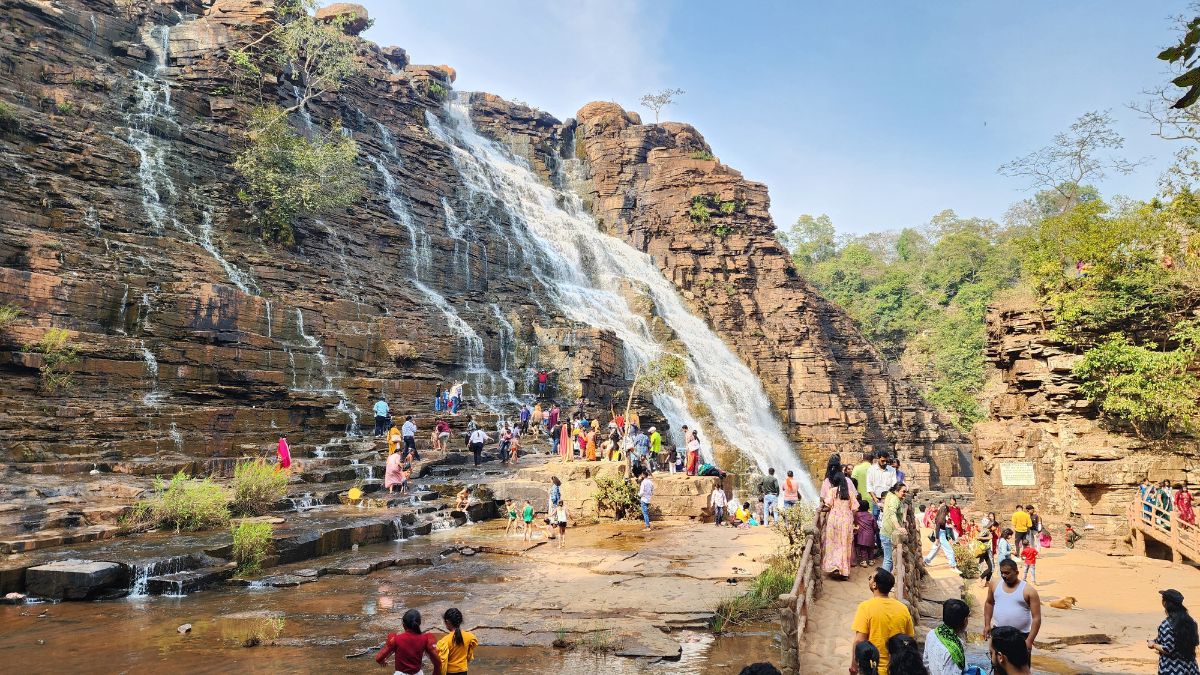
(197, 340)
(1044, 443)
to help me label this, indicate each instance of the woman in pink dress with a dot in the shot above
(394, 475)
(841, 500)
(1183, 504)
(285, 453)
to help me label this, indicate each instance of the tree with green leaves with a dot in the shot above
(656, 376)
(286, 174)
(1182, 55)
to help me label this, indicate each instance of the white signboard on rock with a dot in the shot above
(1017, 474)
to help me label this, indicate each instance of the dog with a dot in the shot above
(1064, 603)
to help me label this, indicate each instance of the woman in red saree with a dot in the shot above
(1183, 504)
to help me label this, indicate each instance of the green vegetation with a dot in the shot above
(8, 118)
(57, 355)
(775, 580)
(1184, 57)
(251, 545)
(617, 496)
(794, 526)
(968, 565)
(257, 486)
(8, 314)
(184, 503)
(704, 207)
(702, 154)
(65, 107)
(437, 90)
(287, 175)
(920, 296)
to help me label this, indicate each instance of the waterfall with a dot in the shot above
(153, 113)
(344, 405)
(585, 270)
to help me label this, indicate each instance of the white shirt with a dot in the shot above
(409, 429)
(479, 436)
(880, 480)
(937, 657)
(647, 490)
(718, 499)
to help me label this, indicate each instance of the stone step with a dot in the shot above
(190, 581)
(329, 474)
(50, 538)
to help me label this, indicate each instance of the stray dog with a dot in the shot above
(1064, 603)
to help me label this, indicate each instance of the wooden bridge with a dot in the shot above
(1148, 519)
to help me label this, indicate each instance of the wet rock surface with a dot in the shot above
(73, 579)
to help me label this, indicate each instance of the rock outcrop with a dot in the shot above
(708, 229)
(1044, 443)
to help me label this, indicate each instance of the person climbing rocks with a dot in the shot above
(394, 474)
(523, 417)
(382, 419)
(456, 392)
(409, 432)
(543, 381)
(394, 439)
(463, 500)
(457, 647)
(475, 441)
(410, 647)
(440, 438)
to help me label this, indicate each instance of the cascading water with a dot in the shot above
(585, 272)
(318, 352)
(151, 116)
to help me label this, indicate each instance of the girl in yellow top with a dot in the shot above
(393, 439)
(457, 647)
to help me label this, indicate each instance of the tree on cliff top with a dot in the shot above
(1073, 159)
(662, 99)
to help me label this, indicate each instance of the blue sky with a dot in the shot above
(880, 114)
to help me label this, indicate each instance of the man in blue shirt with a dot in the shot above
(525, 413)
(409, 433)
(382, 419)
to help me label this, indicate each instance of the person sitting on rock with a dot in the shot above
(464, 498)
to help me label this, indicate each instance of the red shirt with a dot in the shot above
(409, 648)
(1029, 555)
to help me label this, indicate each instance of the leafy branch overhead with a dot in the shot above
(1183, 55)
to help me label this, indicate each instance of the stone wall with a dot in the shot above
(1085, 472)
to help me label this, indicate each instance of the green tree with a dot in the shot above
(811, 238)
(286, 174)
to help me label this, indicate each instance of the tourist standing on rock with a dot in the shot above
(527, 517)
(841, 501)
(769, 487)
(456, 397)
(409, 432)
(891, 531)
(641, 445)
(475, 442)
(656, 450)
(880, 479)
(718, 501)
(645, 492)
(394, 439)
(457, 646)
(879, 618)
(555, 494)
(506, 439)
(410, 647)
(941, 537)
(523, 417)
(284, 452)
(789, 494)
(535, 420)
(1177, 637)
(564, 441)
(558, 517)
(1012, 602)
(382, 419)
(1009, 653)
(945, 646)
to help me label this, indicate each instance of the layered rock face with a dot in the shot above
(121, 225)
(836, 392)
(1044, 443)
(198, 341)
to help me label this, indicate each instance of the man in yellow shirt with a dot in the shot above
(1021, 523)
(880, 618)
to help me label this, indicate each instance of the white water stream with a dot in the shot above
(586, 270)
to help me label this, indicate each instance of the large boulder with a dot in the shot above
(356, 18)
(73, 579)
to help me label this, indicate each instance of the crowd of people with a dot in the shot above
(1160, 500)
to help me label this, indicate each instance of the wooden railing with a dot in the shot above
(1146, 517)
(793, 616)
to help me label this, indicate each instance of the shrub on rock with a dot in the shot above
(257, 486)
(185, 503)
(251, 545)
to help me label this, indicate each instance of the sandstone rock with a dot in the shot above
(356, 17)
(73, 579)
(184, 628)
